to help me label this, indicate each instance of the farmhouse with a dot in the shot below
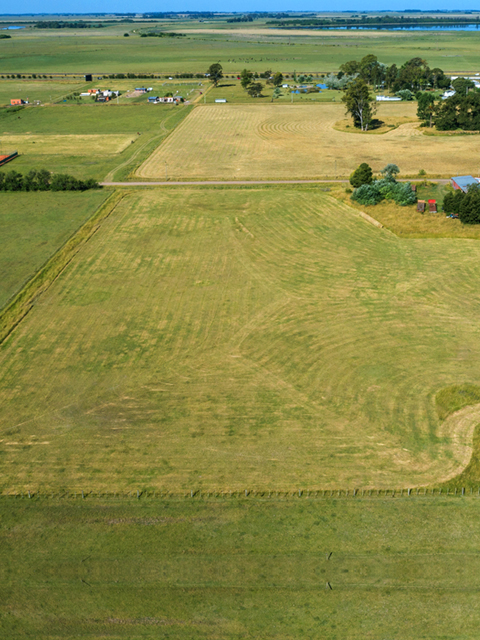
(462, 182)
(16, 101)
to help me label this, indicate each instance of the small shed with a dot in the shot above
(220, 99)
(153, 99)
(421, 206)
(6, 158)
(88, 77)
(462, 182)
(432, 206)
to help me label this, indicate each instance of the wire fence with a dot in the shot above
(197, 494)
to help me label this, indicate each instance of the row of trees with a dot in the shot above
(370, 192)
(43, 180)
(415, 74)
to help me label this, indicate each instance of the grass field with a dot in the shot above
(44, 90)
(233, 91)
(402, 569)
(243, 339)
(86, 140)
(32, 227)
(248, 142)
(107, 51)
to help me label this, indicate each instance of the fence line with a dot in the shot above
(247, 494)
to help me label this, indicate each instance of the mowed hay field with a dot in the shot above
(248, 142)
(243, 339)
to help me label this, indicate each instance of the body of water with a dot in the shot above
(13, 27)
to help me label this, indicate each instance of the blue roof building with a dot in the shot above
(462, 182)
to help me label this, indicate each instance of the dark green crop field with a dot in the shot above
(33, 226)
(402, 568)
(257, 47)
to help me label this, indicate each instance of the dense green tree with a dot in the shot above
(372, 71)
(215, 71)
(350, 68)
(360, 105)
(13, 181)
(391, 75)
(246, 77)
(277, 79)
(255, 89)
(469, 212)
(458, 112)
(438, 80)
(362, 175)
(413, 75)
(425, 107)
(463, 85)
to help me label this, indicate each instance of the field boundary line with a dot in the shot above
(468, 491)
(24, 300)
(157, 139)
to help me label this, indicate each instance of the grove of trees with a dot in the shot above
(465, 205)
(386, 188)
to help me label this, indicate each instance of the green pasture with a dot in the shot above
(33, 226)
(403, 569)
(232, 90)
(149, 124)
(243, 339)
(32, 90)
(256, 47)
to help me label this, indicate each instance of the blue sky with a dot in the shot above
(98, 6)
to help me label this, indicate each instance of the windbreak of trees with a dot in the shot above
(43, 180)
(63, 24)
(414, 74)
(162, 34)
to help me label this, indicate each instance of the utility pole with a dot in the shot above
(166, 171)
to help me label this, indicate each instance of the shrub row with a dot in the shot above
(43, 180)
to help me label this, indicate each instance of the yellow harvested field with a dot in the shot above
(67, 145)
(247, 142)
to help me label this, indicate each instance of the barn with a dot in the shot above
(462, 182)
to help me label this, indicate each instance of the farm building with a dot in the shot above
(6, 158)
(88, 77)
(462, 182)
(387, 99)
(220, 99)
(16, 101)
(154, 99)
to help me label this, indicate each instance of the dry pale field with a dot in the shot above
(68, 145)
(244, 142)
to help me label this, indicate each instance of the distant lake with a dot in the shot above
(5, 28)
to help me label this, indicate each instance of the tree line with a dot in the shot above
(43, 180)
(459, 111)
